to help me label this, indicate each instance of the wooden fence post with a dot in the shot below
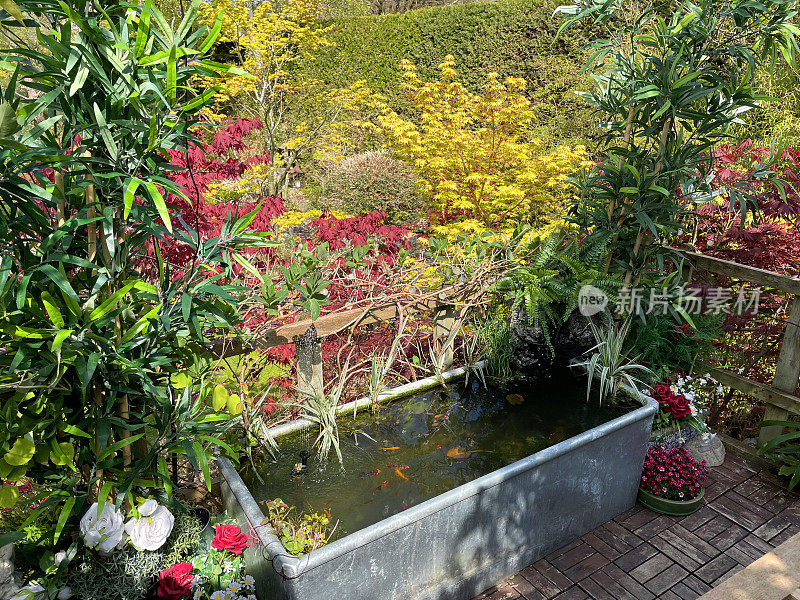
(444, 319)
(308, 348)
(787, 373)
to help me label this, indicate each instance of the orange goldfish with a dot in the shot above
(392, 448)
(380, 487)
(400, 474)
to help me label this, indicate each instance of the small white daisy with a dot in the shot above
(248, 581)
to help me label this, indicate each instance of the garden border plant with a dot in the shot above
(104, 372)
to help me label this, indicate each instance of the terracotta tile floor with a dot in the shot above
(641, 555)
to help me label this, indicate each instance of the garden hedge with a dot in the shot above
(512, 37)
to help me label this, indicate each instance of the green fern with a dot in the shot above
(548, 286)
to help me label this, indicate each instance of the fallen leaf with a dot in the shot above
(458, 453)
(515, 399)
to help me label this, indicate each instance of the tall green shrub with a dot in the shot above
(101, 358)
(515, 38)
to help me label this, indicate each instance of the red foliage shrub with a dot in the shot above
(771, 241)
(358, 230)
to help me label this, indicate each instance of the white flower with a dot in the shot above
(228, 567)
(251, 597)
(64, 593)
(235, 587)
(151, 531)
(148, 507)
(103, 532)
(216, 596)
(32, 591)
(248, 581)
(59, 557)
(198, 593)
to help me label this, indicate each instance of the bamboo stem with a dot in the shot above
(640, 236)
(612, 206)
(61, 209)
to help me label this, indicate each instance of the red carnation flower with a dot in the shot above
(176, 582)
(230, 538)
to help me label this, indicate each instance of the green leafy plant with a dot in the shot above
(548, 283)
(610, 365)
(667, 92)
(381, 366)
(94, 321)
(299, 533)
(494, 333)
(785, 449)
(321, 409)
(667, 344)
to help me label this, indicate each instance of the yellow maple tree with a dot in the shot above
(473, 152)
(299, 114)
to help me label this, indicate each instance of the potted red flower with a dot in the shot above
(673, 483)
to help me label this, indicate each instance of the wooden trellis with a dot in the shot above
(780, 396)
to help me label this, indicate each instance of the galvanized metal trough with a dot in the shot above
(457, 544)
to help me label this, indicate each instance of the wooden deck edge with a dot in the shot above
(774, 576)
(747, 453)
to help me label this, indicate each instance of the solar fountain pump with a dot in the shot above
(300, 468)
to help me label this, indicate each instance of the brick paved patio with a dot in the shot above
(641, 555)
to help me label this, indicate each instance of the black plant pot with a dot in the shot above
(208, 532)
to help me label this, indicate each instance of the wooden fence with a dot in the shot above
(780, 396)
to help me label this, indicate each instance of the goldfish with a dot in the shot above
(404, 505)
(398, 466)
(392, 448)
(327, 513)
(400, 474)
(381, 486)
(371, 473)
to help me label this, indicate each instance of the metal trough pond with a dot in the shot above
(461, 542)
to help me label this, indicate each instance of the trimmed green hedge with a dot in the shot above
(512, 37)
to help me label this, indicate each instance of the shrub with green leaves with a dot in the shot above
(94, 323)
(370, 181)
(514, 38)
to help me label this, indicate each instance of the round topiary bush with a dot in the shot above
(372, 181)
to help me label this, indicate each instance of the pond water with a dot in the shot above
(415, 449)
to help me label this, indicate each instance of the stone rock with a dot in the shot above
(10, 581)
(711, 450)
(532, 357)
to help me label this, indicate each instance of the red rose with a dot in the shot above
(662, 394)
(176, 582)
(680, 407)
(230, 538)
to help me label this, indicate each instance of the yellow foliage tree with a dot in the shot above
(298, 113)
(473, 151)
